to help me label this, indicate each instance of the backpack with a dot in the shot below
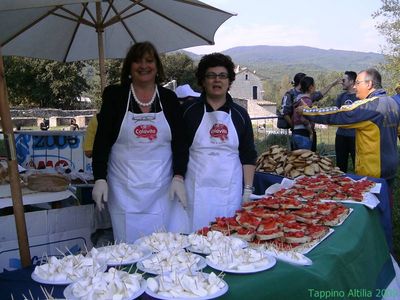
(287, 101)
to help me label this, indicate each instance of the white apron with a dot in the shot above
(139, 177)
(214, 176)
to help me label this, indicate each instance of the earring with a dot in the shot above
(130, 76)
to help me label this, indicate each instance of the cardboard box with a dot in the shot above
(66, 229)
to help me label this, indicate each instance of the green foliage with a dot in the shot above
(43, 83)
(389, 25)
(92, 75)
(180, 67)
(263, 144)
(274, 89)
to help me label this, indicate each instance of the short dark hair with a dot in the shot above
(374, 76)
(215, 60)
(306, 83)
(136, 53)
(351, 75)
(297, 78)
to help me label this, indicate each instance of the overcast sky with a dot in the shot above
(325, 24)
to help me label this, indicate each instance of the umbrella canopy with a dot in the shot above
(71, 30)
(106, 29)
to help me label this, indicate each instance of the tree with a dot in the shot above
(389, 25)
(91, 73)
(180, 67)
(323, 79)
(43, 83)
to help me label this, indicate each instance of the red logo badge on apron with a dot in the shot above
(146, 132)
(219, 132)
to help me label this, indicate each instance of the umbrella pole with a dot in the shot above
(13, 174)
(100, 41)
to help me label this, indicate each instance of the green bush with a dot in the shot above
(262, 145)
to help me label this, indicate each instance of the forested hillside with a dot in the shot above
(275, 61)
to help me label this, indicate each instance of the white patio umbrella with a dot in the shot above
(106, 29)
(72, 30)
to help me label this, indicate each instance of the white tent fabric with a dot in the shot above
(69, 32)
(23, 4)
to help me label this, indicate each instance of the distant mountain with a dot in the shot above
(274, 61)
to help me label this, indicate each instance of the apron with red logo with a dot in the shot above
(139, 177)
(214, 176)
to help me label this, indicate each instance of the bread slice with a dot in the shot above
(298, 237)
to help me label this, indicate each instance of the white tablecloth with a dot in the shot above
(31, 197)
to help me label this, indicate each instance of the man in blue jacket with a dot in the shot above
(375, 118)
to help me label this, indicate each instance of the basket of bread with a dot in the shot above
(43, 182)
(292, 164)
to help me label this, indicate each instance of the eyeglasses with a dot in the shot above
(214, 75)
(357, 82)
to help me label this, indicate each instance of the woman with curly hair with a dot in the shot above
(222, 154)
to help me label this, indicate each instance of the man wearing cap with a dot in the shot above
(291, 95)
(185, 92)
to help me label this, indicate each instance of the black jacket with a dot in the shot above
(110, 118)
(193, 111)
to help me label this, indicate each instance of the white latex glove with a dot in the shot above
(100, 193)
(246, 194)
(178, 188)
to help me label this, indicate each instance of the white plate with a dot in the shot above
(141, 243)
(294, 258)
(59, 282)
(47, 281)
(202, 251)
(201, 264)
(146, 253)
(256, 197)
(271, 262)
(376, 189)
(315, 243)
(344, 218)
(212, 296)
(370, 200)
(69, 296)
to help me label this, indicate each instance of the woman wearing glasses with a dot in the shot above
(139, 154)
(222, 154)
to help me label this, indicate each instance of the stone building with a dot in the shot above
(247, 91)
(247, 85)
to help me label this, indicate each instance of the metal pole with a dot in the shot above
(13, 174)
